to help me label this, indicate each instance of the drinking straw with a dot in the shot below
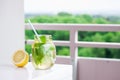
(34, 29)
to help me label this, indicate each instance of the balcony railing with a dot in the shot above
(73, 43)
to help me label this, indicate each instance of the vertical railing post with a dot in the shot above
(73, 51)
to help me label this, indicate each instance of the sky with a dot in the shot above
(73, 6)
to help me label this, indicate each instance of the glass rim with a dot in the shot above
(43, 35)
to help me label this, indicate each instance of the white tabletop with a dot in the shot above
(57, 72)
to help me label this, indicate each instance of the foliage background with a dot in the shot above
(64, 17)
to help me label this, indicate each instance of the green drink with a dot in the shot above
(43, 52)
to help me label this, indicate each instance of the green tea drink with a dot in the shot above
(43, 52)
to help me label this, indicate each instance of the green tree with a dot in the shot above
(100, 21)
(108, 37)
(64, 14)
(64, 17)
(97, 37)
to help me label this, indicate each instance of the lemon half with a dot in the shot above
(20, 58)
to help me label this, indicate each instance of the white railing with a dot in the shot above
(73, 43)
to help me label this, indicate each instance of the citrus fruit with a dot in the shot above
(20, 58)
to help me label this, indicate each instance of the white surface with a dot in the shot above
(57, 72)
(11, 28)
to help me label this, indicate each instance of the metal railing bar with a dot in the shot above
(98, 44)
(57, 43)
(79, 27)
(84, 44)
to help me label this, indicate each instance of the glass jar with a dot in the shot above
(43, 52)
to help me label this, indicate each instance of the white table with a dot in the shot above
(57, 72)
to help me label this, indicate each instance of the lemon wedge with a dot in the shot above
(20, 58)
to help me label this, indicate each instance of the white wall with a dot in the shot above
(11, 28)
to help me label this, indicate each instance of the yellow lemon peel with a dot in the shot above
(20, 58)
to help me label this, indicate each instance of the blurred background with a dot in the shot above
(76, 12)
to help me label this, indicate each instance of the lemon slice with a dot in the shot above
(20, 58)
